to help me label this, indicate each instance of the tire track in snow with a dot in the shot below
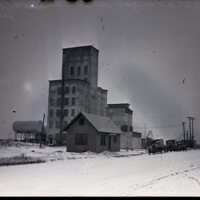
(195, 179)
(154, 181)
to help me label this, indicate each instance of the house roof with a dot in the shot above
(27, 126)
(80, 47)
(100, 123)
(136, 134)
(119, 105)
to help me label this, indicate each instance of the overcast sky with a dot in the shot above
(146, 50)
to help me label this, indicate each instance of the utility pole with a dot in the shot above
(62, 103)
(191, 130)
(183, 123)
(145, 127)
(41, 134)
(187, 139)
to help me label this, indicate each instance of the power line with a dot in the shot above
(166, 126)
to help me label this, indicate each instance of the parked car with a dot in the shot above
(157, 146)
(171, 145)
(181, 146)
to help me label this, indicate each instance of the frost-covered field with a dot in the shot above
(105, 174)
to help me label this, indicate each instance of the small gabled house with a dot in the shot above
(90, 132)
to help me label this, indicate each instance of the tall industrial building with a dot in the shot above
(76, 91)
(122, 115)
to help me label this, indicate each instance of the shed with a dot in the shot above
(90, 132)
(136, 140)
(28, 130)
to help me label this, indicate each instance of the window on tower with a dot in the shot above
(85, 69)
(66, 112)
(79, 71)
(58, 124)
(58, 113)
(59, 90)
(66, 101)
(73, 101)
(66, 90)
(51, 102)
(73, 112)
(50, 124)
(73, 89)
(51, 113)
(52, 93)
(71, 71)
(59, 102)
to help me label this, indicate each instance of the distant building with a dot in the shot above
(29, 131)
(90, 132)
(76, 92)
(136, 140)
(121, 114)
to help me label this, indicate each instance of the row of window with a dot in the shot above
(81, 139)
(126, 128)
(66, 90)
(65, 103)
(58, 112)
(73, 54)
(79, 70)
(57, 124)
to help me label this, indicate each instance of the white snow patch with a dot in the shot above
(104, 174)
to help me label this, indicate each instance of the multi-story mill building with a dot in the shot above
(76, 91)
(122, 115)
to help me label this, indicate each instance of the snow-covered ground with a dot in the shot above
(105, 174)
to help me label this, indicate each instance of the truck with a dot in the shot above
(157, 146)
(171, 145)
(181, 146)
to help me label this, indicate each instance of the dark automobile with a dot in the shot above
(157, 146)
(181, 146)
(171, 145)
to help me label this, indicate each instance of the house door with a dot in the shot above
(109, 143)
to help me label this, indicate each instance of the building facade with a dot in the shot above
(122, 115)
(136, 140)
(77, 91)
(90, 132)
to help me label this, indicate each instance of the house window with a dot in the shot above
(124, 128)
(85, 69)
(73, 101)
(51, 113)
(58, 124)
(73, 89)
(130, 128)
(71, 71)
(51, 102)
(115, 138)
(58, 113)
(66, 101)
(66, 90)
(79, 71)
(73, 112)
(81, 139)
(50, 124)
(103, 140)
(81, 121)
(59, 90)
(59, 102)
(66, 112)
